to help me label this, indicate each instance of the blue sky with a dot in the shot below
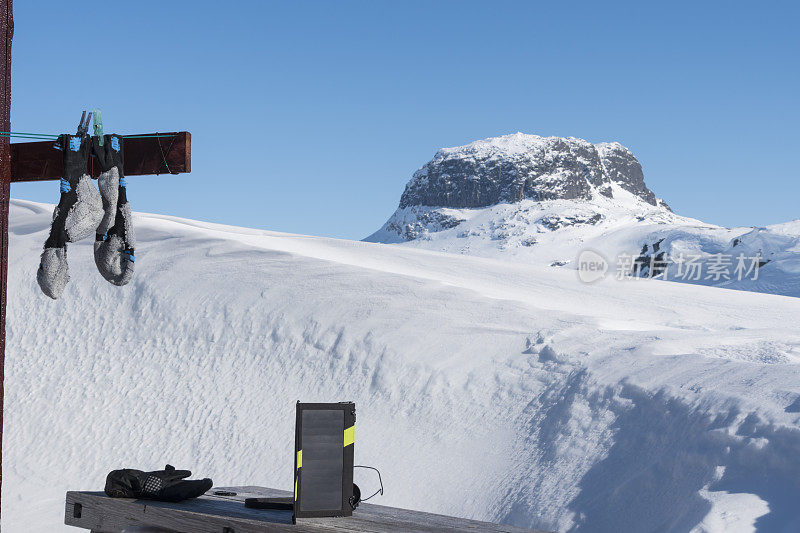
(310, 117)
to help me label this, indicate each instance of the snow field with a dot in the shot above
(485, 389)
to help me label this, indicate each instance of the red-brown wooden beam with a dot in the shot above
(39, 161)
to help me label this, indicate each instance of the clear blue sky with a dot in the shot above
(310, 117)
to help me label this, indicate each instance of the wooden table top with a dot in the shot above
(213, 513)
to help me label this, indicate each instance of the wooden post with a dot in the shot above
(7, 33)
(168, 153)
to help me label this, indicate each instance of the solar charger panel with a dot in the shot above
(323, 479)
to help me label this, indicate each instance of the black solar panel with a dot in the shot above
(324, 459)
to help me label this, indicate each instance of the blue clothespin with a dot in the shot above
(98, 125)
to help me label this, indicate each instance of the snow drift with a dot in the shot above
(486, 389)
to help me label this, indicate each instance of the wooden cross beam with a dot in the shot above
(170, 153)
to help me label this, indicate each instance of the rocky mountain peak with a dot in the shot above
(514, 167)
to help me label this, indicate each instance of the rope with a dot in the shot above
(28, 135)
(164, 156)
(48, 136)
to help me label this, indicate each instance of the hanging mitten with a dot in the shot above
(109, 157)
(168, 485)
(53, 273)
(80, 202)
(115, 240)
(76, 216)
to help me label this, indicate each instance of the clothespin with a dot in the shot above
(83, 125)
(98, 125)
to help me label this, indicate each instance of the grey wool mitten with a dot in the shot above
(53, 273)
(115, 239)
(76, 216)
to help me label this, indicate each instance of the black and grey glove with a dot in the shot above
(79, 211)
(168, 485)
(115, 239)
(80, 202)
(109, 157)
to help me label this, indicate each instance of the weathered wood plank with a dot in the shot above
(100, 513)
(213, 514)
(39, 161)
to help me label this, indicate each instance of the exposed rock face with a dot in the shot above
(419, 221)
(622, 167)
(513, 167)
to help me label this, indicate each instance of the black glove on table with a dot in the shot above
(168, 485)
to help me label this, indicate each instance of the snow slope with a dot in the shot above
(541, 232)
(554, 233)
(487, 389)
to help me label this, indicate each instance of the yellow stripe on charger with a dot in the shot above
(349, 435)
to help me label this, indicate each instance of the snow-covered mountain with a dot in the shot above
(544, 200)
(489, 389)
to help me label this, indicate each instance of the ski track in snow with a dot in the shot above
(485, 389)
